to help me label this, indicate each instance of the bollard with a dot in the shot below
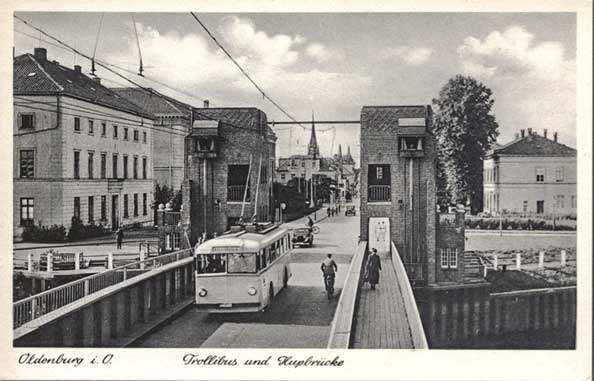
(495, 262)
(30, 262)
(541, 259)
(518, 261)
(563, 258)
(110, 261)
(76, 261)
(50, 263)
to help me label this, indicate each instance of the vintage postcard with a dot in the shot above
(343, 190)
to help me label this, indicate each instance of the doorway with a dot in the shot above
(379, 235)
(540, 207)
(115, 212)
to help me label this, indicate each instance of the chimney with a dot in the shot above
(530, 131)
(555, 136)
(206, 103)
(522, 131)
(544, 133)
(40, 54)
(77, 68)
(97, 79)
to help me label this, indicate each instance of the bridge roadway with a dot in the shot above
(301, 315)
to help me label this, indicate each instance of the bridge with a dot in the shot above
(148, 303)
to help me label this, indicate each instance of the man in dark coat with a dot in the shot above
(374, 266)
(119, 237)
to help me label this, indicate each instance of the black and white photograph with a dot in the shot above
(271, 189)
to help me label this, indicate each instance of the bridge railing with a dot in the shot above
(37, 305)
(342, 325)
(412, 312)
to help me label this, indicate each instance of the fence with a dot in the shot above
(35, 306)
(378, 193)
(235, 193)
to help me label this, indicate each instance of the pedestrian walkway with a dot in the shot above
(381, 320)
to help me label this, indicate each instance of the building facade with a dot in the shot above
(230, 161)
(80, 150)
(172, 125)
(532, 174)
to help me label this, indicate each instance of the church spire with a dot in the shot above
(312, 148)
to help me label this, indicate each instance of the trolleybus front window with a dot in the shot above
(241, 263)
(211, 263)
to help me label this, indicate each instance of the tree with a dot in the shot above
(465, 129)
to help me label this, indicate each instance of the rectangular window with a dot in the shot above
(125, 133)
(77, 208)
(540, 206)
(135, 204)
(27, 164)
(91, 208)
(573, 202)
(444, 258)
(144, 136)
(449, 257)
(114, 166)
(559, 175)
(77, 164)
(103, 208)
(135, 135)
(237, 177)
(90, 164)
(560, 201)
(282, 176)
(27, 211)
(379, 183)
(77, 124)
(144, 206)
(27, 121)
(144, 167)
(115, 131)
(103, 129)
(125, 166)
(135, 167)
(126, 206)
(540, 175)
(91, 127)
(241, 263)
(103, 165)
(525, 206)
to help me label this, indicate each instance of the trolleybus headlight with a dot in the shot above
(202, 293)
(252, 291)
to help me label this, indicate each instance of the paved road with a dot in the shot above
(301, 314)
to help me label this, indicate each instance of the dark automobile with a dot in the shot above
(303, 237)
(350, 211)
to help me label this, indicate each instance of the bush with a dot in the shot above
(80, 231)
(39, 233)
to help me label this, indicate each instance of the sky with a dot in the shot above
(333, 64)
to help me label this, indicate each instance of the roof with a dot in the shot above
(154, 102)
(533, 145)
(248, 242)
(33, 76)
(383, 117)
(244, 117)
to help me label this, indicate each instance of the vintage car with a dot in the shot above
(350, 210)
(302, 237)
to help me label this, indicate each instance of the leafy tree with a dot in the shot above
(465, 130)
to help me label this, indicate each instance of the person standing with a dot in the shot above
(310, 223)
(373, 268)
(328, 212)
(119, 237)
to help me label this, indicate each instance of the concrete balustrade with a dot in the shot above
(116, 315)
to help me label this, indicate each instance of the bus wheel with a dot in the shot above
(270, 294)
(285, 278)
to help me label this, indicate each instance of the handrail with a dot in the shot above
(342, 324)
(417, 332)
(35, 306)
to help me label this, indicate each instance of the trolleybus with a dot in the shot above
(242, 270)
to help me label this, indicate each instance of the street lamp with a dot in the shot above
(283, 206)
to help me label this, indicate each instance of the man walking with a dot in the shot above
(373, 268)
(119, 237)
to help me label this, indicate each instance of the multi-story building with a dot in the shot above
(531, 174)
(80, 150)
(172, 125)
(230, 157)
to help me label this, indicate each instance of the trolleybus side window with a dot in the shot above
(241, 263)
(261, 260)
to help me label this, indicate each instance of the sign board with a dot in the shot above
(411, 122)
